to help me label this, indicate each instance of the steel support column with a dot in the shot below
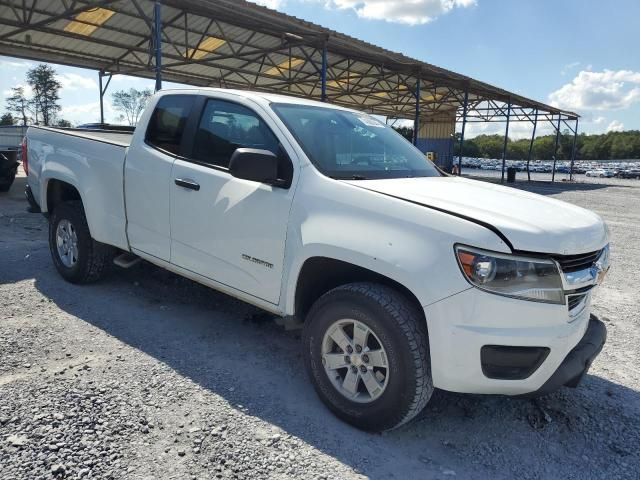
(157, 42)
(506, 139)
(464, 124)
(323, 73)
(103, 90)
(533, 137)
(555, 150)
(101, 97)
(416, 122)
(573, 151)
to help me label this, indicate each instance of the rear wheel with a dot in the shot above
(77, 256)
(366, 350)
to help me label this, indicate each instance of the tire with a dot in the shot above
(6, 182)
(93, 258)
(401, 331)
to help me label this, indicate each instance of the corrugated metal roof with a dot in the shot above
(258, 42)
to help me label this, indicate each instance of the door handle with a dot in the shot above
(190, 184)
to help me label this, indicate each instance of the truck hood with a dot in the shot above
(530, 222)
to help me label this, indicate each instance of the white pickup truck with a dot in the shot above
(405, 278)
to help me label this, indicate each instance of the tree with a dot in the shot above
(543, 147)
(42, 80)
(18, 103)
(131, 103)
(7, 119)
(406, 132)
(608, 146)
(518, 150)
(470, 147)
(490, 145)
(64, 123)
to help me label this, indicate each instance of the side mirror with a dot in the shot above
(255, 165)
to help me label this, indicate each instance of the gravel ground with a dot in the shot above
(147, 375)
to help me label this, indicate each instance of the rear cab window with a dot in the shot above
(167, 122)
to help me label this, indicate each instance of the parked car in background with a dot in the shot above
(599, 172)
(404, 279)
(629, 173)
(8, 170)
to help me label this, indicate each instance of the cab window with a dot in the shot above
(226, 126)
(168, 121)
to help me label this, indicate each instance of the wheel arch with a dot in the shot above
(318, 275)
(57, 191)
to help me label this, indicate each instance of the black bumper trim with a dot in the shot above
(501, 362)
(576, 364)
(33, 206)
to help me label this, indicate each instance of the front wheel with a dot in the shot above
(367, 352)
(77, 256)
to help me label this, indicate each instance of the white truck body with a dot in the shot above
(252, 240)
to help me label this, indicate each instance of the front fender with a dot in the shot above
(408, 243)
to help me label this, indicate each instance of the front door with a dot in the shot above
(230, 230)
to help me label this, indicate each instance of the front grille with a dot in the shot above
(573, 263)
(574, 300)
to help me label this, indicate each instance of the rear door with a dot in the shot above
(148, 181)
(230, 230)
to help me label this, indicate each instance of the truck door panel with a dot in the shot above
(230, 230)
(148, 180)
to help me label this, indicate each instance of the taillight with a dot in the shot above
(25, 158)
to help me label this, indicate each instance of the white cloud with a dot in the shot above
(88, 113)
(28, 91)
(568, 67)
(599, 120)
(606, 90)
(82, 113)
(615, 126)
(274, 4)
(15, 64)
(73, 81)
(409, 12)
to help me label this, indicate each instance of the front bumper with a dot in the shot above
(576, 365)
(461, 325)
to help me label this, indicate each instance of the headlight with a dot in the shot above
(532, 279)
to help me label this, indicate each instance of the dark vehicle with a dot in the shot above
(8, 169)
(630, 173)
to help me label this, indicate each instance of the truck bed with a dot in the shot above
(122, 139)
(92, 161)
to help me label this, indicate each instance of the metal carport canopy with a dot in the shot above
(238, 44)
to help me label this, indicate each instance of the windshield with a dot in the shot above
(350, 145)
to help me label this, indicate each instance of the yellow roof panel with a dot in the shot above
(284, 66)
(344, 81)
(206, 46)
(85, 23)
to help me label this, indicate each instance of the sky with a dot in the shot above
(579, 55)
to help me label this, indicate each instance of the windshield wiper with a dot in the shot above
(350, 177)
